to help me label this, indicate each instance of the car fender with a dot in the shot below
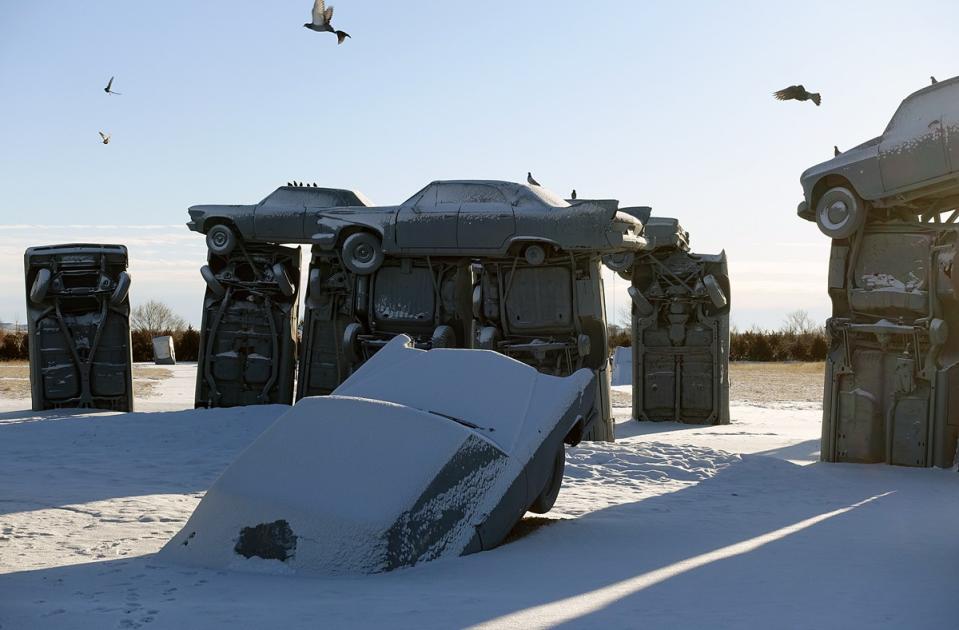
(329, 228)
(859, 166)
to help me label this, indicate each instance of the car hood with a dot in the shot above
(856, 154)
(198, 214)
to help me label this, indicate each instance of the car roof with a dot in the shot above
(932, 88)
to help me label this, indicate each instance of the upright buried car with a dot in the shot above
(79, 318)
(483, 218)
(912, 168)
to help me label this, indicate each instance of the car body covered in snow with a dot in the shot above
(913, 166)
(421, 467)
(475, 218)
(287, 215)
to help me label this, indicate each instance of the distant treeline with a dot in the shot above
(797, 340)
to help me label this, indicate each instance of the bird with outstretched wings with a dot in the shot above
(109, 88)
(797, 93)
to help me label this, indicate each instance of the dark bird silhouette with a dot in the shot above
(573, 196)
(798, 93)
(314, 185)
(105, 137)
(288, 184)
(933, 79)
(322, 21)
(530, 180)
(835, 150)
(109, 88)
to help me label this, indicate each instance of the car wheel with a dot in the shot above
(620, 262)
(122, 289)
(443, 337)
(282, 280)
(535, 254)
(351, 342)
(212, 282)
(840, 213)
(221, 239)
(716, 295)
(547, 498)
(362, 253)
(488, 338)
(41, 284)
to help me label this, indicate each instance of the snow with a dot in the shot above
(677, 526)
(622, 366)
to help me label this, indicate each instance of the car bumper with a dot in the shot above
(805, 212)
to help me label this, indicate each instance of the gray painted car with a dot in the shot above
(287, 215)
(913, 166)
(475, 218)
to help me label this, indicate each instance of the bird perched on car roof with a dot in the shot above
(530, 180)
(835, 150)
(322, 21)
(797, 93)
(573, 196)
(933, 79)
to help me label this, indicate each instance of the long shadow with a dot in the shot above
(877, 557)
(805, 450)
(632, 428)
(51, 459)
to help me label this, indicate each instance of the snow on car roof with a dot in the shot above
(515, 189)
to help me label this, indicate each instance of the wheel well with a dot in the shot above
(824, 184)
(353, 229)
(209, 223)
(517, 246)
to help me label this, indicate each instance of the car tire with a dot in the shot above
(282, 280)
(122, 289)
(41, 284)
(212, 282)
(715, 292)
(362, 253)
(535, 254)
(547, 498)
(488, 338)
(443, 337)
(620, 262)
(221, 239)
(351, 342)
(840, 212)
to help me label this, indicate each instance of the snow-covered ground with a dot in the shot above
(672, 526)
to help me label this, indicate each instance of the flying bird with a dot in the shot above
(835, 150)
(933, 79)
(105, 137)
(798, 93)
(530, 180)
(573, 196)
(109, 88)
(322, 21)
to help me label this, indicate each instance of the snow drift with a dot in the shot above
(418, 455)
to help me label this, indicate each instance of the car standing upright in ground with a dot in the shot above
(913, 166)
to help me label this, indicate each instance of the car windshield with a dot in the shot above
(926, 107)
(548, 197)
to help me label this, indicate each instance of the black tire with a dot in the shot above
(41, 284)
(534, 254)
(351, 342)
(547, 498)
(212, 282)
(621, 262)
(221, 239)
(840, 212)
(488, 338)
(362, 253)
(716, 295)
(443, 337)
(282, 280)
(122, 289)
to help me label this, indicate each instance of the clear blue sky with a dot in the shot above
(666, 104)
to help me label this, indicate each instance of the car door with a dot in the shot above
(913, 147)
(279, 217)
(950, 127)
(428, 222)
(485, 218)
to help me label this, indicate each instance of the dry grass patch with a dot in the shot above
(771, 382)
(15, 379)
